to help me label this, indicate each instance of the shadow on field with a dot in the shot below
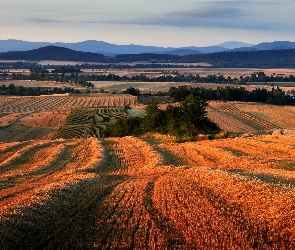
(65, 221)
(266, 178)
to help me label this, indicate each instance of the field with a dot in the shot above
(47, 117)
(65, 187)
(155, 87)
(129, 193)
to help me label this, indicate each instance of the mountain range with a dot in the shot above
(109, 49)
(278, 58)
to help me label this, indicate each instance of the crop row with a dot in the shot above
(251, 120)
(33, 104)
(83, 123)
(268, 158)
(227, 122)
(128, 193)
(212, 215)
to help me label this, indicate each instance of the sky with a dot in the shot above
(166, 23)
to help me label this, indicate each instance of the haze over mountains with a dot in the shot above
(109, 49)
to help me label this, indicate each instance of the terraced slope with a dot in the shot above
(127, 193)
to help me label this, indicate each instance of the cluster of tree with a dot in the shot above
(11, 89)
(17, 65)
(187, 119)
(274, 96)
(64, 70)
(132, 91)
(262, 77)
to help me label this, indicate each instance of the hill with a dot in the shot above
(266, 58)
(52, 53)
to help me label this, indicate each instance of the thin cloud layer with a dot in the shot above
(42, 20)
(215, 14)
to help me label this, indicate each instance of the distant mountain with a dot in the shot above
(19, 45)
(52, 53)
(234, 45)
(284, 58)
(183, 52)
(109, 49)
(275, 45)
(209, 49)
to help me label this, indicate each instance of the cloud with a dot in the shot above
(242, 15)
(212, 14)
(42, 20)
(206, 12)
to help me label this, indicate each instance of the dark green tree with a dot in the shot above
(132, 91)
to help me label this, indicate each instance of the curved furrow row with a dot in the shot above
(39, 158)
(202, 224)
(132, 156)
(60, 172)
(15, 155)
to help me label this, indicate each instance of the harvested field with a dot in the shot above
(250, 117)
(45, 103)
(46, 117)
(7, 119)
(41, 84)
(83, 123)
(64, 187)
(127, 193)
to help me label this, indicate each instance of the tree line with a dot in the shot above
(75, 75)
(11, 89)
(63, 74)
(274, 96)
(175, 76)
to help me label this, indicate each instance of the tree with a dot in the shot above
(193, 112)
(132, 91)
(154, 120)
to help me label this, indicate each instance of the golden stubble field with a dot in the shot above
(79, 191)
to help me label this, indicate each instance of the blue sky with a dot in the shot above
(161, 23)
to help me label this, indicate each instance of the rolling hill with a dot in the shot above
(52, 53)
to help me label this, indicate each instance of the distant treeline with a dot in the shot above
(259, 76)
(276, 96)
(11, 89)
(63, 74)
(74, 75)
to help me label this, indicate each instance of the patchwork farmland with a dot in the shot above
(65, 187)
